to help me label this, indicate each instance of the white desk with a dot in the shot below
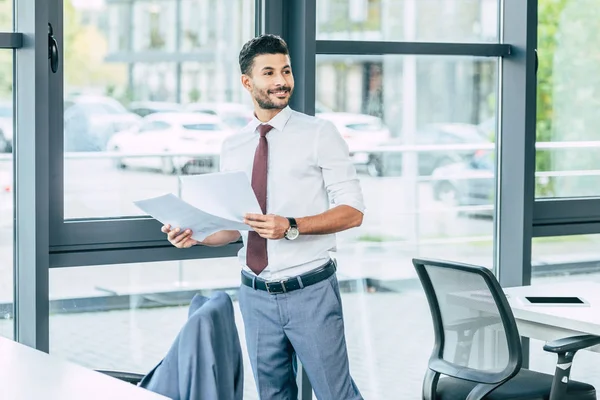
(29, 374)
(550, 322)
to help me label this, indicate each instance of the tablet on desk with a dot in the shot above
(554, 301)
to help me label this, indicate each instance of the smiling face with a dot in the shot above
(270, 81)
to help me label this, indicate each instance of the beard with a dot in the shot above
(266, 103)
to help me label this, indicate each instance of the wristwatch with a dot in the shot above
(292, 232)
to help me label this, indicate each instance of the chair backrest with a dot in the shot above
(476, 337)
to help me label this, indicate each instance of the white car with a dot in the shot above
(360, 131)
(235, 115)
(159, 138)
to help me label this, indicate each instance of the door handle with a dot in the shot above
(52, 49)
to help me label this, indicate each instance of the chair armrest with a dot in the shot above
(571, 344)
(566, 349)
(129, 377)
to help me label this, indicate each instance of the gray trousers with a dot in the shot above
(307, 323)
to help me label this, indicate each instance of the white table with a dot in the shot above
(554, 322)
(29, 374)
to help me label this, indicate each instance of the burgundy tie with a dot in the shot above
(256, 253)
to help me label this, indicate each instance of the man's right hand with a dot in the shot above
(179, 239)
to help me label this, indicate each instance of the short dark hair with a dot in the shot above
(263, 44)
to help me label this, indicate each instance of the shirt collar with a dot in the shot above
(278, 122)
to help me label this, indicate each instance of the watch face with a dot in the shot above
(293, 233)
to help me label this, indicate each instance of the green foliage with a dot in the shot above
(549, 12)
(84, 51)
(568, 93)
(6, 55)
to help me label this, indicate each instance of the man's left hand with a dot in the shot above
(268, 226)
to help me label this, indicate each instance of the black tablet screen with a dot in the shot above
(554, 300)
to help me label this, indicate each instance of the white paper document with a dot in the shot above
(227, 195)
(213, 202)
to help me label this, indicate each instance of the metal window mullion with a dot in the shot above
(346, 47)
(516, 146)
(31, 257)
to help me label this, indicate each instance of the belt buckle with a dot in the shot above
(281, 282)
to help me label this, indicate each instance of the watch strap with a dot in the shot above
(292, 221)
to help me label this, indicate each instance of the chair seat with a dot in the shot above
(526, 385)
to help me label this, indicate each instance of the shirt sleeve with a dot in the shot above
(339, 173)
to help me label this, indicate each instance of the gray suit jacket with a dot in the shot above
(205, 360)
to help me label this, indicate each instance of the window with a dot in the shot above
(430, 200)
(125, 317)
(568, 84)
(408, 20)
(103, 85)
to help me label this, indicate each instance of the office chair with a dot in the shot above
(477, 352)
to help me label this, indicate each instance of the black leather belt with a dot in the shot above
(290, 284)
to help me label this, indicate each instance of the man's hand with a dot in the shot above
(268, 226)
(181, 240)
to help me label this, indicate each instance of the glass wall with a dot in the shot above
(425, 158)
(125, 317)
(421, 131)
(568, 139)
(123, 140)
(568, 121)
(6, 177)
(159, 90)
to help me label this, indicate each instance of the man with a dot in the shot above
(289, 297)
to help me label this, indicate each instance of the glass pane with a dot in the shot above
(126, 317)
(425, 158)
(408, 20)
(139, 66)
(6, 16)
(6, 186)
(568, 95)
(570, 260)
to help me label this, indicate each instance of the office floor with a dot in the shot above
(389, 339)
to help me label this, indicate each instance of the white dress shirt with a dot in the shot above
(309, 169)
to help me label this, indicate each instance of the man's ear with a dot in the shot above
(246, 82)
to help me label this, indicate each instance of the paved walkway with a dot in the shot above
(389, 339)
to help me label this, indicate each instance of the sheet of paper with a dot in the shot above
(228, 195)
(170, 209)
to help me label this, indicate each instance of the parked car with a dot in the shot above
(389, 163)
(360, 132)
(144, 108)
(6, 126)
(467, 183)
(235, 115)
(91, 120)
(164, 135)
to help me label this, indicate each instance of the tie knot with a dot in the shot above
(264, 129)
